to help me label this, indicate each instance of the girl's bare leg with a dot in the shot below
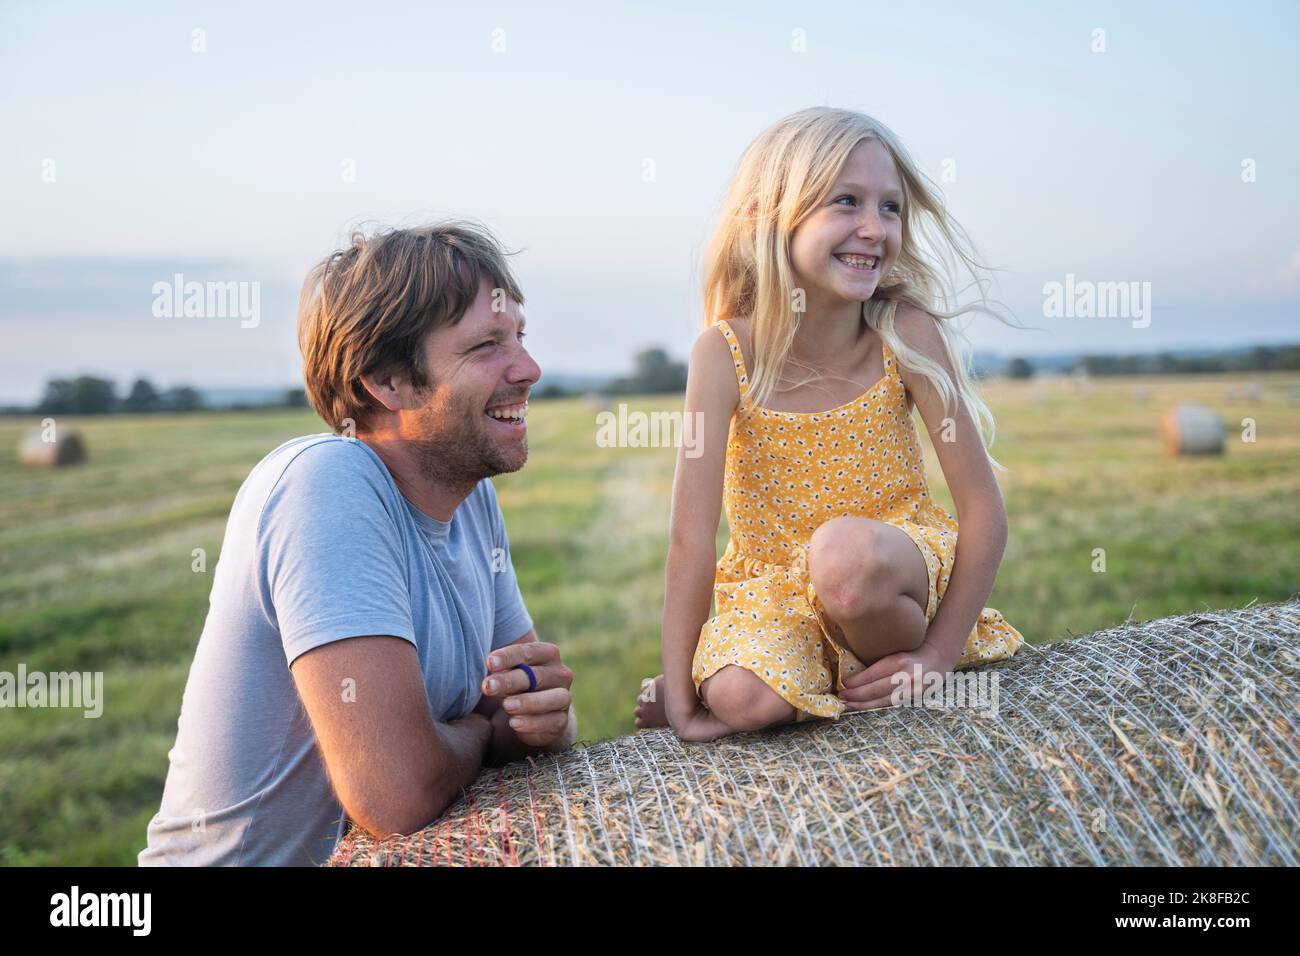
(873, 583)
(741, 700)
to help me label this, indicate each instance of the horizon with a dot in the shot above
(239, 394)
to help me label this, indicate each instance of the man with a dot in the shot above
(366, 649)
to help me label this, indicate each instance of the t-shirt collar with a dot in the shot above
(432, 527)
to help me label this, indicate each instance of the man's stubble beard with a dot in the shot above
(458, 452)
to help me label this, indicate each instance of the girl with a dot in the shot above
(825, 328)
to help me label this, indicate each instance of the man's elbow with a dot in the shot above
(399, 813)
(395, 823)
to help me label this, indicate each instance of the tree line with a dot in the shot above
(89, 395)
(1262, 358)
(654, 372)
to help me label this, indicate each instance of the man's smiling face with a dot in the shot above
(472, 421)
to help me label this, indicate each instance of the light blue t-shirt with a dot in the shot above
(320, 546)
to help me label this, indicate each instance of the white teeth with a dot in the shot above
(513, 413)
(860, 262)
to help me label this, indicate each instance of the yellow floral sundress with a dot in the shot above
(786, 474)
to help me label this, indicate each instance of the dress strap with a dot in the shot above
(891, 364)
(742, 376)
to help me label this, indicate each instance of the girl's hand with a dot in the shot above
(874, 688)
(699, 725)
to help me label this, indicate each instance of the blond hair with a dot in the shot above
(368, 308)
(782, 176)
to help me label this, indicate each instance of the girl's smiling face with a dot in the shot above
(852, 237)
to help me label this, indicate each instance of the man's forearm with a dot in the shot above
(465, 745)
(409, 803)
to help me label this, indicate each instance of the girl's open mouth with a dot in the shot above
(860, 263)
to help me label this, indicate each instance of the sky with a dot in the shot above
(1110, 142)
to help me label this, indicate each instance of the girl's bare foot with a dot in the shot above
(650, 710)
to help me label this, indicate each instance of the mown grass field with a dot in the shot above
(95, 562)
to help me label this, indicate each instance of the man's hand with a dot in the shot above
(539, 718)
(873, 688)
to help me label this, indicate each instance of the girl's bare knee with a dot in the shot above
(741, 700)
(848, 569)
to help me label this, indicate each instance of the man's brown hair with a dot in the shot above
(367, 308)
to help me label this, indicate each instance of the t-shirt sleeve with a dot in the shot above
(332, 553)
(512, 618)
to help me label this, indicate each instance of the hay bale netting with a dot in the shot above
(1192, 430)
(1169, 742)
(65, 448)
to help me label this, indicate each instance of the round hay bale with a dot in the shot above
(1170, 742)
(1192, 430)
(65, 447)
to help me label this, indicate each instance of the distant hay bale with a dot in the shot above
(1192, 430)
(1170, 742)
(65, 448)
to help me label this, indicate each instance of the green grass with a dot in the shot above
(95, 563)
